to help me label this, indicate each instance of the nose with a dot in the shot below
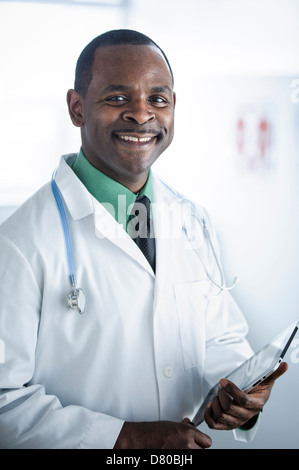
(138, 111)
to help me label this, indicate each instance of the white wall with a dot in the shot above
(256, 213)
(40, 44)
(230, 58)
(240, 58)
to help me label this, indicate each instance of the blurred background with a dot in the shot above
(236, 145)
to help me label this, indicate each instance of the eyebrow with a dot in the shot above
(154, 89)
(161, 89)
(116, 88)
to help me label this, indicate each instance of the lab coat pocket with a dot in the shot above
(191, 301)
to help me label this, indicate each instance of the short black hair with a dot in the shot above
(117, 37)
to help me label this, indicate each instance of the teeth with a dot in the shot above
(135, 139)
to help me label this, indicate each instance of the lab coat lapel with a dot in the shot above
(168, 221)
(81, 203)
(75, 195)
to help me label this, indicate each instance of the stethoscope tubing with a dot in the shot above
(73, 298)
(66, 230)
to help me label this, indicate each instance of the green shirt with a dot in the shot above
(116, 198)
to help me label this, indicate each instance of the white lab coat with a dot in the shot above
(147, 348)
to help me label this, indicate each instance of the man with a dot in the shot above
(132, 370)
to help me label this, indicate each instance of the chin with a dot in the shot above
(139, 165)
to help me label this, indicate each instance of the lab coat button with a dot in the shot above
(168, 372)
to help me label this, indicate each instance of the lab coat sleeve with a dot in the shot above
(29, 418)
(226, 344)
(249, 434)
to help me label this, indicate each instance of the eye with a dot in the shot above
(116, 99)
(158, 101)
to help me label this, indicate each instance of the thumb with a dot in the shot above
(277, 373)
(187, 421)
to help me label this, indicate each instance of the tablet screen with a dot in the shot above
(264, 361)
(254, 369)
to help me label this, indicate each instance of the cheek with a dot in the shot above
(168, 124)
(100, 118)
(167, 121)
(96, 128)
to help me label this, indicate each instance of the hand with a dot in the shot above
(161, 435)
(232, 407)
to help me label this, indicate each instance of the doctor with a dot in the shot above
(131, 371)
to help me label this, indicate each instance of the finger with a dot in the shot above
(276, 374)
(226, 421)
(212, 421)
(202, 439)
(243, 399)
(187, 421)
(224, 398)
(217, 409)
(230, 407)
(228, 413)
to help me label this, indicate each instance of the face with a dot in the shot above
(127, 115)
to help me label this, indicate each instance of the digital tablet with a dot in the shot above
(255, 369)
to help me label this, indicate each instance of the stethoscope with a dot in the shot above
(76, 298)
(220, 285)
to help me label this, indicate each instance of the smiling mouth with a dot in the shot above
(130, 138)
(136, 139)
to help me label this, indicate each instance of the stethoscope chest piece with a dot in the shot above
(76, 299)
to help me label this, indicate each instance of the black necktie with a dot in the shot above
(143, 237)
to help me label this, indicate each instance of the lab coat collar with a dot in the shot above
(81, 203)
(75, 195)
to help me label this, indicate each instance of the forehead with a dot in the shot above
(129, 64)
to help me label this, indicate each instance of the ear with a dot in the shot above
(75, 105)
(174, 99)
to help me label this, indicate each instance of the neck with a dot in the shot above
(133, 185)
(133, 182)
